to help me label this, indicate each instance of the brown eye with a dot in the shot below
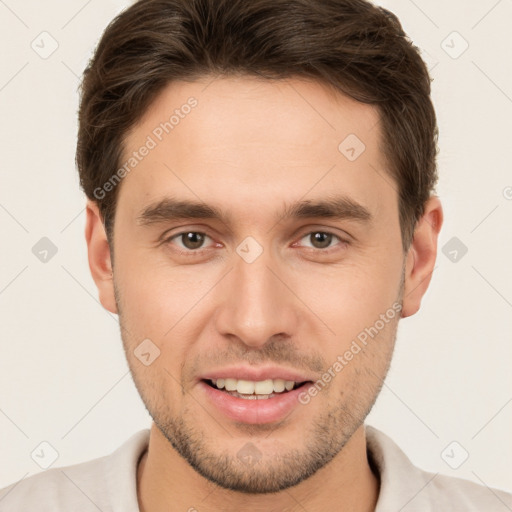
(189, 240)
(192, 240)
(320, 240)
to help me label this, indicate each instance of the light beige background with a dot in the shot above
(63, 376)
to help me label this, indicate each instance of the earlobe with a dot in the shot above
(421, 257)
(100, 263)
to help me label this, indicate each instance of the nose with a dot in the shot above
(256, 303)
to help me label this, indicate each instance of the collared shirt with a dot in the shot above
(109, 484)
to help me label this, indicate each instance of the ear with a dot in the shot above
(421, 256)
(98, 251)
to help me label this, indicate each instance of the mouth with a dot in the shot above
(253, 401)
(254, 390)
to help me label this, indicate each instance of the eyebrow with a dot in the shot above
(339, 207)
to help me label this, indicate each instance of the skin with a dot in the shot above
(250, 147)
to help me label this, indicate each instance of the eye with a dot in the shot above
(321, 239)
(190, 240)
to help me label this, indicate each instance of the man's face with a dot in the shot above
(258, 294)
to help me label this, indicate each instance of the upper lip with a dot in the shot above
(256, 374)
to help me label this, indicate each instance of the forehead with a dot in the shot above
(244, 143)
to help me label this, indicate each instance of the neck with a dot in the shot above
(166, 482)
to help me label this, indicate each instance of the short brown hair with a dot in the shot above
(352, 45)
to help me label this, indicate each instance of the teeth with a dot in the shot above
(263, 387)
(245, 387)
(230, 384)
(249, 387)
(279, 385)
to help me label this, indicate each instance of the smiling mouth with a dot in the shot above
(254, 390)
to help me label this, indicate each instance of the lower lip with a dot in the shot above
(256, 411)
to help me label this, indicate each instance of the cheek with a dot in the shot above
(167, 306)
(350, 298)
(159, 298)
(153, 293)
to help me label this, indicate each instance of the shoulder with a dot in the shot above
(54, 489)
(408, 488)
(88, 486)
(452, 491)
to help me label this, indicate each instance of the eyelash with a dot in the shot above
(196, 252)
